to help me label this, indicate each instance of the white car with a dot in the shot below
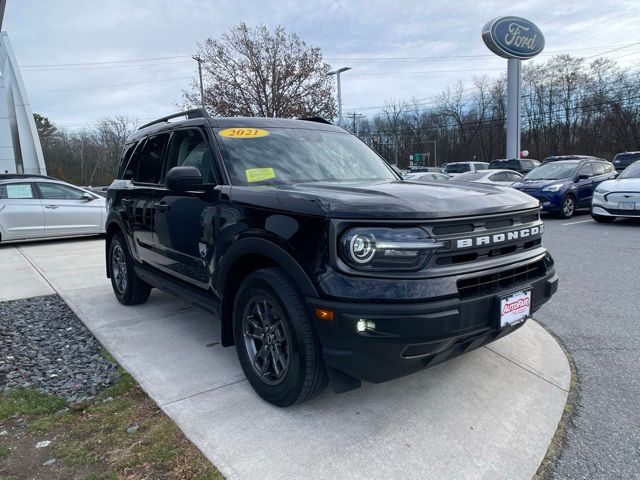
(503, 178)
(36, 206)
(422, 177)
(619, 197)
(457, 168)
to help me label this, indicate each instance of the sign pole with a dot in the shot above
(514, 97)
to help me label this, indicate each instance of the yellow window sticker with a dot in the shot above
(243, 133)
(259, 174)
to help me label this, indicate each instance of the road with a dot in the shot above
(597, 316)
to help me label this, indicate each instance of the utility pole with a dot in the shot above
(337, 74)
(198, 59)
(354, 116)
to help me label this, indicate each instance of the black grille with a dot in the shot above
(488, 284)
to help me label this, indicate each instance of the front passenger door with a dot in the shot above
(184, 224)
(67, 211)
(584, 187)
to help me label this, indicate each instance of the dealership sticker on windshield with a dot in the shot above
(259, 174)
(515, 308)
(243, 133)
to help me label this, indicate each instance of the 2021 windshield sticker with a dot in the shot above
(243, 133)
(259, 174)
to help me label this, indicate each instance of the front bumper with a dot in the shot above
(411, 336)
(549, 201)
(608, 205)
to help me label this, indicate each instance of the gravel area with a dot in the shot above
(44, 346)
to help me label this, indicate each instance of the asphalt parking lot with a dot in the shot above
(595, 314)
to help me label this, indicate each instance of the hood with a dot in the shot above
(622, 185)
(388, 200)
(530, 185)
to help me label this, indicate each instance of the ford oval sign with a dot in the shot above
(513, 37)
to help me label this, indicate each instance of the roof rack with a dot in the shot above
(12, 176)
(316, 119)
(195, 113)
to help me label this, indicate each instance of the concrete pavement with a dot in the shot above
(489, 414)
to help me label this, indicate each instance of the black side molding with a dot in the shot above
(199, 298)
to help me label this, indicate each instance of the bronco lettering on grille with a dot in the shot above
(498, 237)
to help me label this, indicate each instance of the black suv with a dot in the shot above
(520, 165)
(322, 264)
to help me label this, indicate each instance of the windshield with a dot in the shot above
(632, 171)
(457, 168)
(469, 176)
(279, 156)
(552, 171)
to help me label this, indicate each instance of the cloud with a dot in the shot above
(62, 32)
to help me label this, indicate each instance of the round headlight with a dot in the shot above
(362, 248)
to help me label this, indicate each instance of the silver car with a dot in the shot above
(35, 206)
(503, 178)
(619, 197)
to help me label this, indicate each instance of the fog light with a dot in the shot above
(363, 325)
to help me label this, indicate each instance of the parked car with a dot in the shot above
(566, 185)
(37, 206)
(619, 197)
(321, 263)
(416, 169)
(427, 177)
(502, 178)
(623, 160)
(456, 168)
(520, 165)
(557, 158)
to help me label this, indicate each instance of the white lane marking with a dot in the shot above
(581, 221)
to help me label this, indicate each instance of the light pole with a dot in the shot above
(337, 74)
(435, 155)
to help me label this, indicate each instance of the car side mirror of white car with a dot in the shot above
(87, 197)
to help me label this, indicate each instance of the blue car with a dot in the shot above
(564, 186)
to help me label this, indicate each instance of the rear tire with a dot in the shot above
(602, 218)
(127, 287)
(278, 349)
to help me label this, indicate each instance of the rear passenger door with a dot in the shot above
(184, 223)
(21, 213)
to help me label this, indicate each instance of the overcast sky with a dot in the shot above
(48, 35)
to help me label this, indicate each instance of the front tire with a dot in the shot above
(568, 207)
(127, 287)
(277, 347)
(602, 218)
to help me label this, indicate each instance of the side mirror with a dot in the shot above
(87, 197)
(584, 176)
(182, 179)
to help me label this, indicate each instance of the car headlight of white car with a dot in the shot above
(552, 188)
(601, 189)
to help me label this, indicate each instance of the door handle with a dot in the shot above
(51, 207)
(161, 206)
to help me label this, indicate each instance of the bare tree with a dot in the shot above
(257, 72)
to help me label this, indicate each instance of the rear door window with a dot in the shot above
(16, 191)
(149, 168)
(500, 177)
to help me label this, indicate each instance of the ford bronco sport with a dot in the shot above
(321, 263)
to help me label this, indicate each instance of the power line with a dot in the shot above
(112, 86)
(105, 62)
